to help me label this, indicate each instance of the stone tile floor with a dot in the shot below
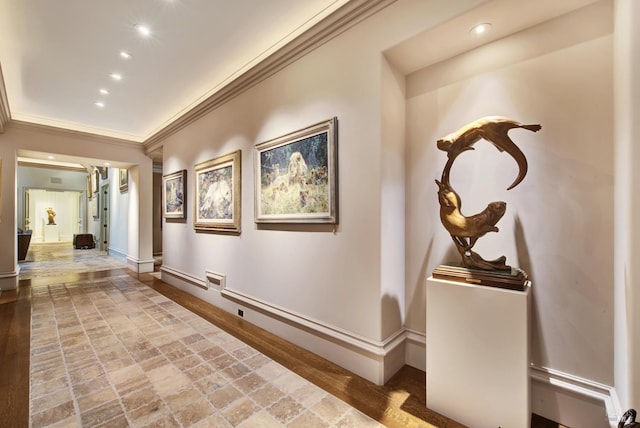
(52, 259)
(112, 352)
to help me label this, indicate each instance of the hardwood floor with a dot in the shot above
(15, 331)
(399, 403)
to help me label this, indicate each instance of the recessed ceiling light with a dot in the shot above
(480, 29)
(107, 164)
(116, 76)
(99, 104)
(125, 54)
(143, 30)
(51, 157)
(103, 91)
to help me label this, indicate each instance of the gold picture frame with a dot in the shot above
(296, 179)
(123, 179)
(218, 193)
(174, 195)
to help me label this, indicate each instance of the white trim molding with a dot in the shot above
(585, 389)
(336, 23)
(118, 254)
(193, 280)
(372, 359)
(5, 112)
(9, 280)
(373, 347)
(140, 266)
(62, 129)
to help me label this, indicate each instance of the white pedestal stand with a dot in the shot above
(478, 354)
(51, 233)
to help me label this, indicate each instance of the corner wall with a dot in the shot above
(559, 221)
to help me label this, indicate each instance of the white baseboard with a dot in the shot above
(374, 360)
(567, 399)
(118, 254)
(140, 266)
(416, 349)
(183, 276)
(560, 397)
(9, 280)
(573, 401)
(389, 353)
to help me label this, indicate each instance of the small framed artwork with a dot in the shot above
(96, 181)
(296, 176)
(174, 194)
(104, 172)
(123, 176)
(94, 205)
(218, 194)
(89, 186)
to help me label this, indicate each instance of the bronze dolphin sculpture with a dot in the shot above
(493, 129)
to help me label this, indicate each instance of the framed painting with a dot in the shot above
(104, 172)
(296, 176)
(89, 186)
(96, 181)
(93, 206)
(218, 194)
(123, 179)
(174, 194)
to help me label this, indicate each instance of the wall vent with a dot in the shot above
(56, 180)
(215, 280)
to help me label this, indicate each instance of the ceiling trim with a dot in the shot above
(87, 136)
(339, 21)
(5, 113)
(26, 163)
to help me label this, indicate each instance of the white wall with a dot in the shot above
(559, 221)
(119, 225)
(334, 278)
(40, 178)
(627, 202)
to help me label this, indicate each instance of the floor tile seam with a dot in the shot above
(137, 363)
(66, 369)
(233, 382)
(215, 370)
(104, 370)
(120, 396)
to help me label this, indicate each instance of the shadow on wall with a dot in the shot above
(416, 303)
(391, 318)
(524, 260)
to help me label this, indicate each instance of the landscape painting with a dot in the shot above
(217, 200)
(296, 176)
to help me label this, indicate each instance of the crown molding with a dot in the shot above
(339, 21)
(5, 113)
(87, 136)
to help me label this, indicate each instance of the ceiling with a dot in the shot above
(56, 56)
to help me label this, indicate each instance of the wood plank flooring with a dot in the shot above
(399, 403)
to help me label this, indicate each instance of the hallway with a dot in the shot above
(110, 347)
(108, 350)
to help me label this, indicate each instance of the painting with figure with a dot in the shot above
(174, 194)
(214, 194)
(217, 196)
(295, 177)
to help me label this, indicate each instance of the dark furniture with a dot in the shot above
(83, 241)
(24, 239)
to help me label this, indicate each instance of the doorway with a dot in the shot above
(52, 215)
